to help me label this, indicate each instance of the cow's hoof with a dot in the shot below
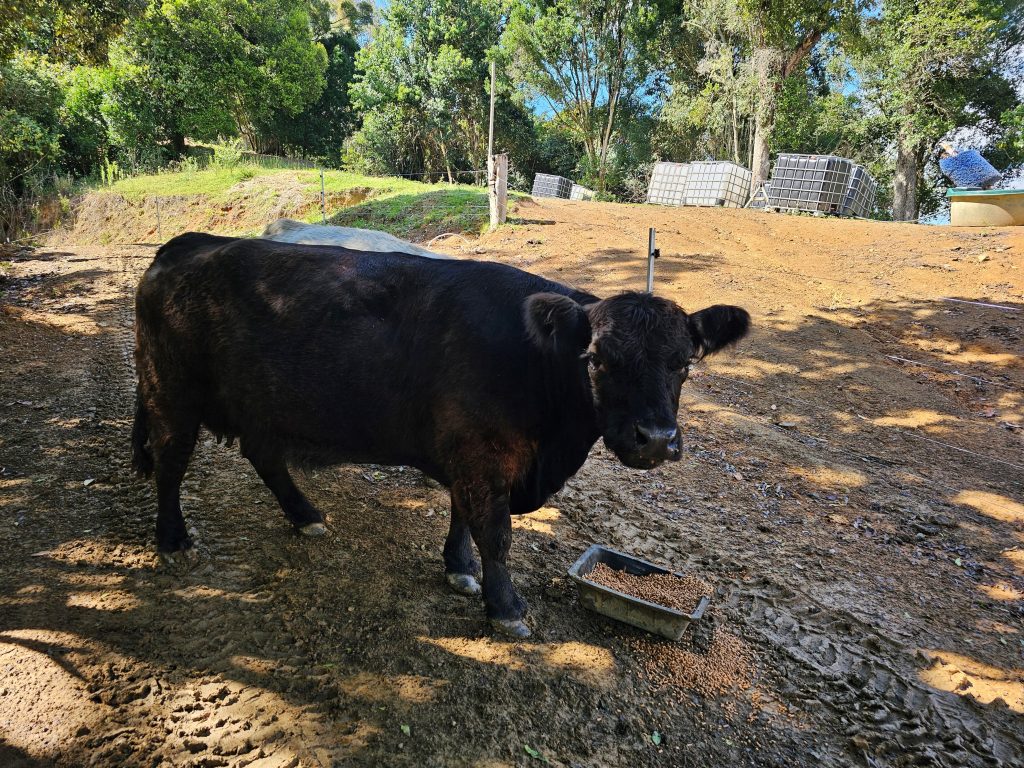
(463, 584)
(511, 628)
(182, 559)
(313, 530)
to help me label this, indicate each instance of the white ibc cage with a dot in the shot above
(717, 183)
(812, 183)
(549, 185)
(579, 192)
(860, 196)
(668, 184)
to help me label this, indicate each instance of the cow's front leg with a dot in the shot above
(460, 567)
(491, 527)
(274, 472)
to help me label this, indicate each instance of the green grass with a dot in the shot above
(402, 207)
(210, 181)
(428, 209)
(215, 181)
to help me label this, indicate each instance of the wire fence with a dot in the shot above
(276, 161)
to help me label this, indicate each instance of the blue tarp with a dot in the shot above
(969, 169)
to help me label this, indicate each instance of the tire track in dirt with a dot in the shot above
(830, 665)
(841, 660)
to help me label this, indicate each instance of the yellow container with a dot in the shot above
(986, 207)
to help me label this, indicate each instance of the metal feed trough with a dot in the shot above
(549, 185)
(668, 184)
(717, 183)
(821, 184)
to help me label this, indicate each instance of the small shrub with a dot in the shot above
(110, 173)
(228, 153)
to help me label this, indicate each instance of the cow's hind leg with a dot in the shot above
(304, 516)
(490, 524)
(460, 567)
(172, 446)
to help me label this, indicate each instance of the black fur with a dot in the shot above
(494, 381)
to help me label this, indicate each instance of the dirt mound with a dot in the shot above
(850, 487)
(106, 218)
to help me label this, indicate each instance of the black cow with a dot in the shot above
(491, 380)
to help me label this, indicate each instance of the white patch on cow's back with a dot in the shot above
(300, 233)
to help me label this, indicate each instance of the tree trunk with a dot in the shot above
(760, 164)
(447, 164)
(904, 185)
(772, 66)
(768, 69)
(178, 144)
(606, 141)
(735, 133)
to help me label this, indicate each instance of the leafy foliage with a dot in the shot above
(590, 89)
(318, 131)
(579, 60)
(421, 88)
(217, 67)
(29, 117)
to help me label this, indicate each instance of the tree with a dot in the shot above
(320, 130)
(421, 87)
(1009, 147)
(580, 59)
(77, 31)
(708, 112)
(84, 129)
(783, 33)
(927, 67)
(215, 67)
(30, 99)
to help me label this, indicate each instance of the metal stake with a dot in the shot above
(159, 233)
(652, 254)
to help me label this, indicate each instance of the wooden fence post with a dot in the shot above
(323, 199)
(497, 188)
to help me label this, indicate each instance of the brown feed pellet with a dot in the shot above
(681, 593)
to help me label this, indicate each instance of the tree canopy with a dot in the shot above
(591, 89)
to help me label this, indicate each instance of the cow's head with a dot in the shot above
(637, 350)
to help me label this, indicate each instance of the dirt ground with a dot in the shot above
(860, 517)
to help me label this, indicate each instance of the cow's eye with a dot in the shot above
(594, 361)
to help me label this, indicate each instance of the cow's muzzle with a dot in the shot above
(652, 446)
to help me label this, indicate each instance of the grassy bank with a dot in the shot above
(244, 198)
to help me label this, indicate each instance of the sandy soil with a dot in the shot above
(860, 518)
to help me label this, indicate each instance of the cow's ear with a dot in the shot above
(556, 323)
(717, 327)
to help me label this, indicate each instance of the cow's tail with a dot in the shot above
(142, 457)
